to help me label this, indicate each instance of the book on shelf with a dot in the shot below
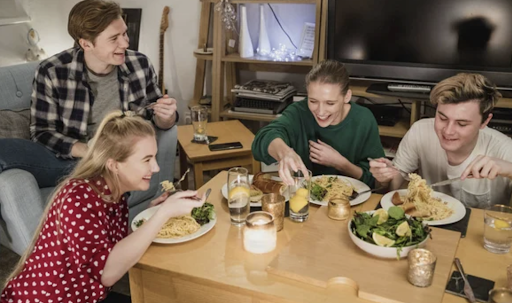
(265, 90)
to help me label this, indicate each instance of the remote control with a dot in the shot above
(409, 88)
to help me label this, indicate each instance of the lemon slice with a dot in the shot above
(239, 190)
(500, 224)
(403, 229)
(383, 215)
(297, 203)
(382, 241)
(302, 192)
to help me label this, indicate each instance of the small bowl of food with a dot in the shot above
(387, 234)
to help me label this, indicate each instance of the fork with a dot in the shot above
(404, 174)
(356, 194)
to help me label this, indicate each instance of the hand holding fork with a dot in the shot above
(384, 171)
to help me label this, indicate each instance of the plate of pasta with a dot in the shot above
(324, 187)
(180, 229)
(420, 201)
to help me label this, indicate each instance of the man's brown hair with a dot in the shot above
(89, 18)
(466, 87)
(329, 72)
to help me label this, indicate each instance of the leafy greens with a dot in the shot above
(203, 214)
(364, 225)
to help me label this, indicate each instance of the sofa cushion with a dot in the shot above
(15, 123)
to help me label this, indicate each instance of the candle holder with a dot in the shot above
(260, 233)
(274, 204)
(500, 295)
(422, 264)
(339, 208)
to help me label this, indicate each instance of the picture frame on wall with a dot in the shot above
(132, 18)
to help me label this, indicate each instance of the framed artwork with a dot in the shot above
(132, 18)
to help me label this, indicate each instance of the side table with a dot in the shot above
(202, 159)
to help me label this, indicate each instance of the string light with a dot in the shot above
(282, 53)
(227, 14)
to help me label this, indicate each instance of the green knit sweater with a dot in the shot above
(356, 138)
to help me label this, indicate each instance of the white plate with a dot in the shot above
(224, 190)
(358, 185)
(148, 213)
(459, 211)
(201, 51)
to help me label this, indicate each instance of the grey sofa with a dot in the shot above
(21, 200)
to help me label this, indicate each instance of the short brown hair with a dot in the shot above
(466, 87)
(88, 18)
(329, 72)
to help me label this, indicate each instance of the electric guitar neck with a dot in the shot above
(164, 24)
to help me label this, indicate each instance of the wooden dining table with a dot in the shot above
(216, 268)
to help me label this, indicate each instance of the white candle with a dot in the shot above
(260, 233)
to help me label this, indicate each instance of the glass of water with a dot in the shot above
(238, 195)
(299, 194)
(498, 229)
(199, 120)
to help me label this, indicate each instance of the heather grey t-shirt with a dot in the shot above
(105, 89)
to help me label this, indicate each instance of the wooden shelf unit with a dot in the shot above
(247, 116)
(234, 57)
(226, 62)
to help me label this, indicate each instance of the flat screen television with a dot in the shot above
(422, 41)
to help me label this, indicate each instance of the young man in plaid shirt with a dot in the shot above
(75, 89)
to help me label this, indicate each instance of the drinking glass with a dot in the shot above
(498, 229)
(500, 295)
(238, 195)
(199, 121)
(274, 204)
(299, 193)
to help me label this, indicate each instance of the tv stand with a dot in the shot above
(421, 92)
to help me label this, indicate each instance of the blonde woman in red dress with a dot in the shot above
(82, 247)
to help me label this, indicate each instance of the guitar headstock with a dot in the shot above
(164, 24)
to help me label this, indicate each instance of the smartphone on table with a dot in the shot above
(225, 146)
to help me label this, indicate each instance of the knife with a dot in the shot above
(468, 291)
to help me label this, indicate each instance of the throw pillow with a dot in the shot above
(15, 123)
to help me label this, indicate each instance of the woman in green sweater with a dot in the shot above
(325, 133)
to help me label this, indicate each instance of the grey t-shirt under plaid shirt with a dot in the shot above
(105, 89)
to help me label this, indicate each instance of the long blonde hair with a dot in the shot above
(115, 138)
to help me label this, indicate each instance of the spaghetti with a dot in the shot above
(420, 195)
(167, 186)
(335, 187)
(178, 227)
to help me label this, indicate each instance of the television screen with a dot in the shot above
(422, 40)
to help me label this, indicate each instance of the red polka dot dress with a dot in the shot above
(67, 261)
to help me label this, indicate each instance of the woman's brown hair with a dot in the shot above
(89, 18)
(329, 72)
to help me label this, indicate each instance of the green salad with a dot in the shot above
(202, 215)
(389, 228)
